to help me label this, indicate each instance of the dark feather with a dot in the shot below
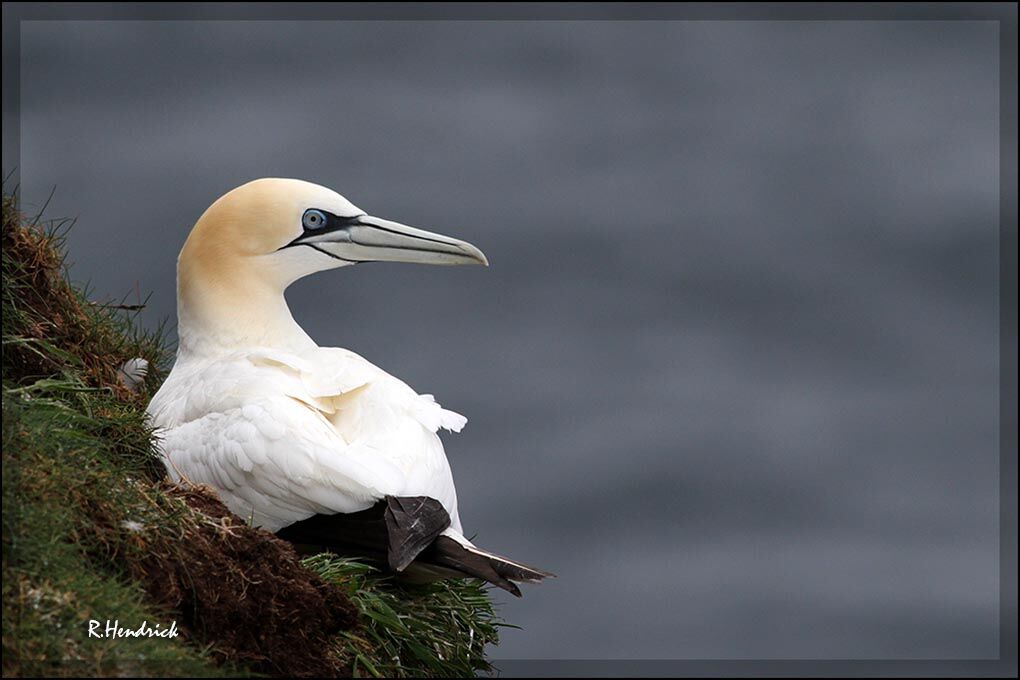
(397, 527)
(359, 533)
(449, 553)
(412, 522)
(403, 533)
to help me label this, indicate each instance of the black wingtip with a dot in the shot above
(412, 523)
(405, 534)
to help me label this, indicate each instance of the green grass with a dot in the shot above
(89, 521)
(436, 630)
(76, 458)
(60, 571)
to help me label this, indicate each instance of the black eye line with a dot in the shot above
(333, 223)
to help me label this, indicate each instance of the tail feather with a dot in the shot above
(515, 571)
(472, 561)
(447, 552)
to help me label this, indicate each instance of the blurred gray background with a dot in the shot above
(732, 373)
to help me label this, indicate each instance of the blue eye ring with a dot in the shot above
(314, 219)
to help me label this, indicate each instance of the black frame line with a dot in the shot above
(1005, 13)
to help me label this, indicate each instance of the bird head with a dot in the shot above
(257, 239)
(294, 228)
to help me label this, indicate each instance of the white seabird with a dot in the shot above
(312, 442)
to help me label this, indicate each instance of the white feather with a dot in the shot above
(283, 437)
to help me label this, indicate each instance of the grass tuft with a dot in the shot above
(434, 630)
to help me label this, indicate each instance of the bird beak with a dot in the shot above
(371, 239)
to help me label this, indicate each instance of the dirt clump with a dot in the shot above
(246, 590)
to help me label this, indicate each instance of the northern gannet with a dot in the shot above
(314, 443)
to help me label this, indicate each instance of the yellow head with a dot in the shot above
(256, 240)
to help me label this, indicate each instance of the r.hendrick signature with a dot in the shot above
(113, 629)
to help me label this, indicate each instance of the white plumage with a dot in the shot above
(284, 437)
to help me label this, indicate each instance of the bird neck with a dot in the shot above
(231, 305)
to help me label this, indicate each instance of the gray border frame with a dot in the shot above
(1005, 13)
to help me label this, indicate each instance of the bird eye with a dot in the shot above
(313, 219)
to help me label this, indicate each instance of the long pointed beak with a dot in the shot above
(371, 239)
